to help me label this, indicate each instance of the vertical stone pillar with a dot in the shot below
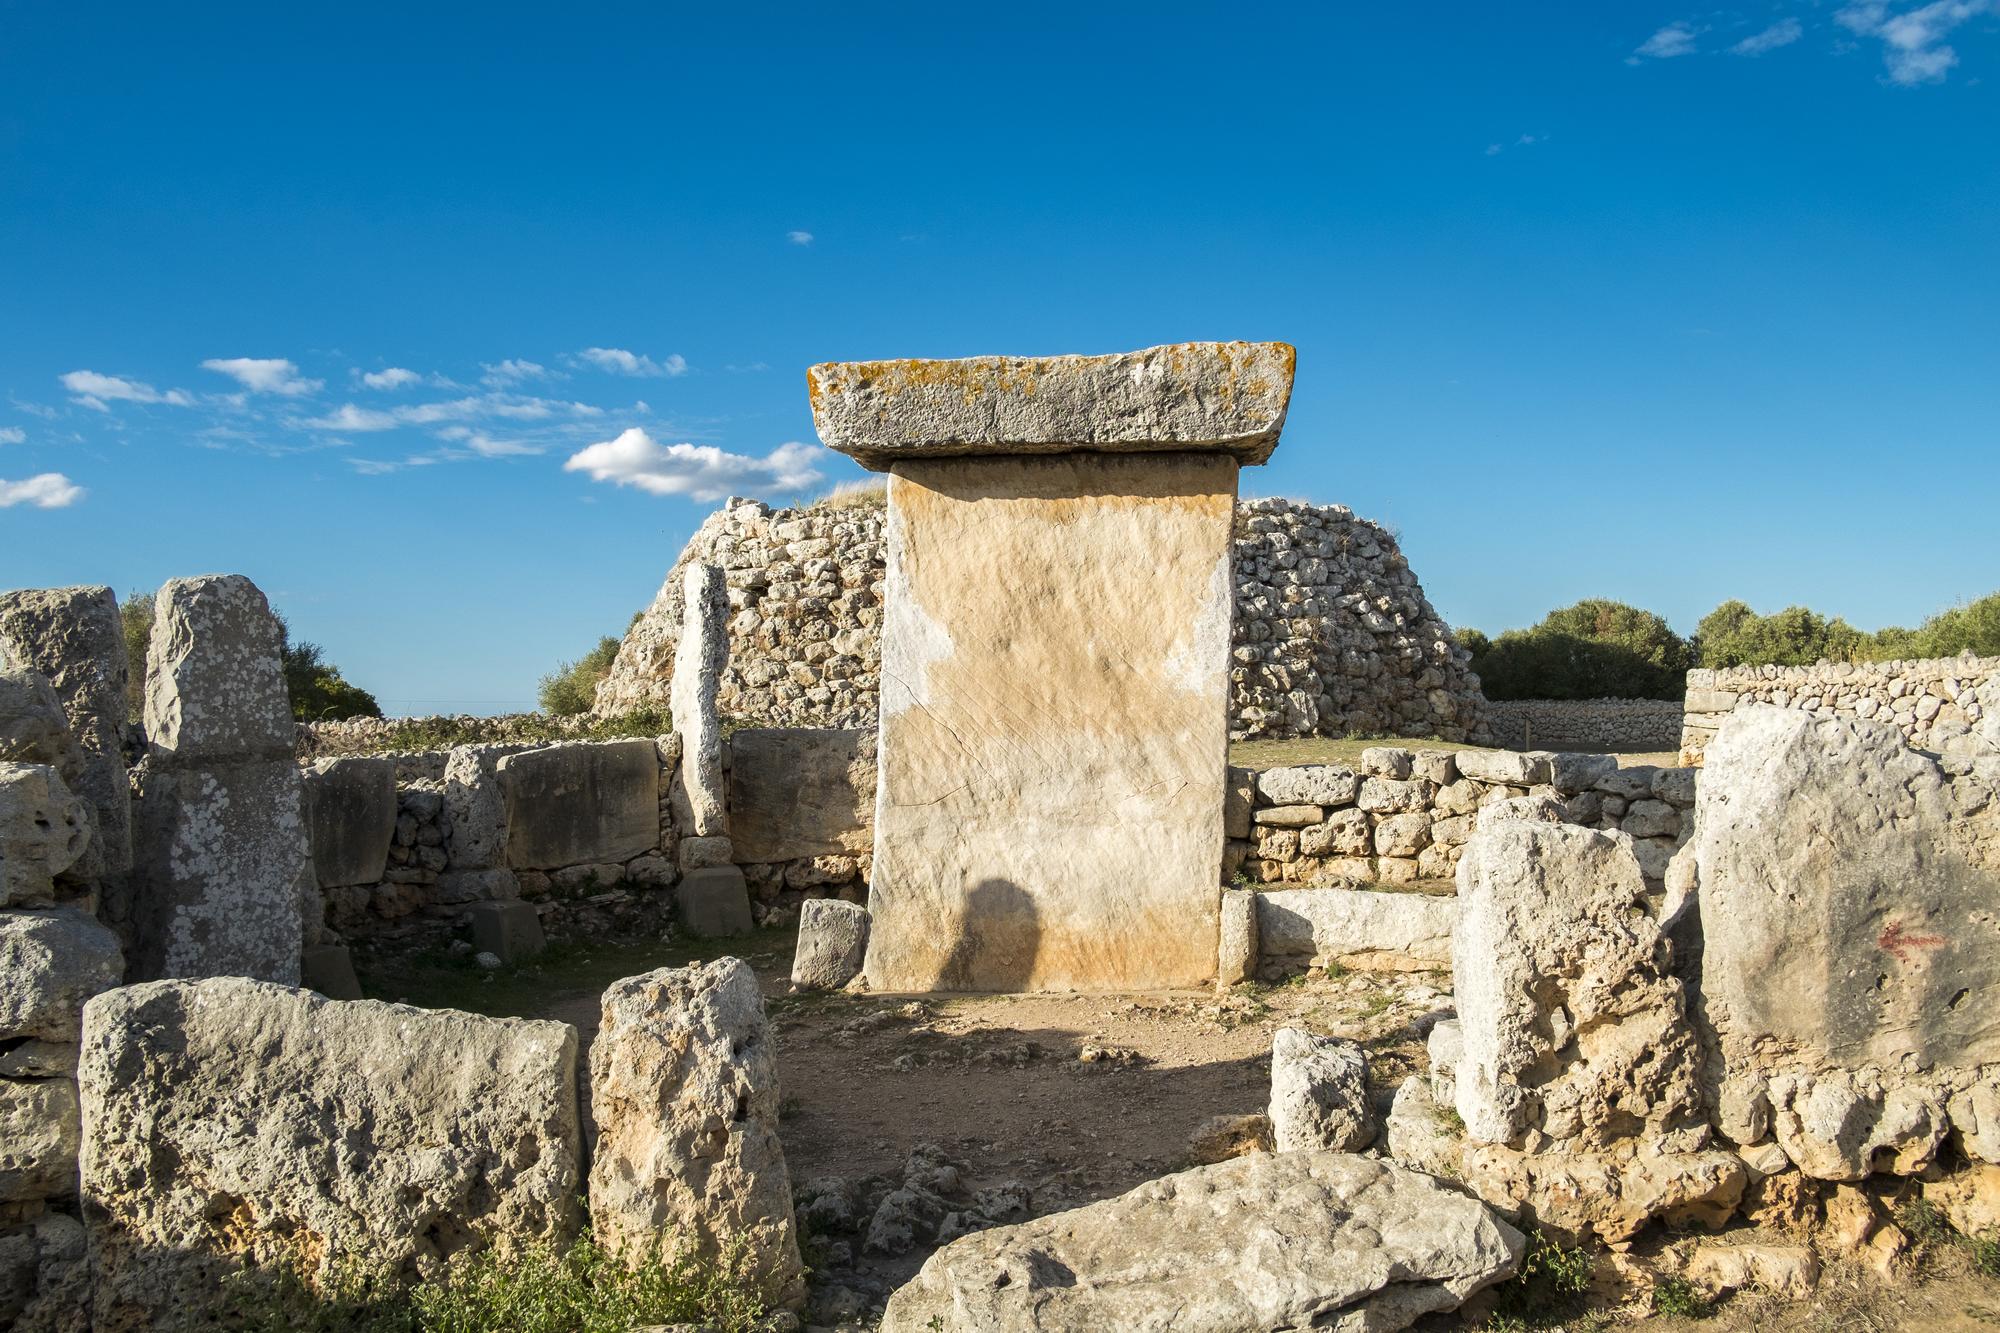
(222, 851)
(1055, 656)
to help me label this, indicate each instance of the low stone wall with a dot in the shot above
(1613, 726)
(1930, 700)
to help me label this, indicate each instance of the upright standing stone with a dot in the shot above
(74, 637)
(222, 840)
(698, 661)
(1055, 656)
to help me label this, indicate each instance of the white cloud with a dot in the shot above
(499, 376)
(799, 237)
(264, 375)
(351, 418)
(373, 467)
(696, 471)
(49, 490)
(95, 391)
(395, 377)
(1782, 33)
(479, 442)
(621, 362)
(1913, 42)
(13, 435)
(1676, 39)
(513, 407)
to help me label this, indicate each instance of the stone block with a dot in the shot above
(1239, 797)
(456, 887)
(1570, 772)
(43, 832)
(33, 727)
(705, 853)
(833, 942)
(215, 686)
(714, 903)
(39, 1133)
(1237, 951)
(510, 931)
(1634, 783)
(1343, 833)
(1319, 1094)
(50, 963)
(1387, 761)
(1229, 397)
(1356, 927)
(352, 803)
(474, 805)
(1052, 740)
(1390, 796)
(684, 1090)
(329, 970)
(699, 657)
(1504, 767)
(799, 792)
(408, 1136)
(1314, 784)
(575, 803)
(1288, 816)
(1402, 835)
(1675, 786)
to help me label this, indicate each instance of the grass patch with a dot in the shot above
(442, 733)
(1678, 1297)
(1546, 1291)
(1930, 1231)
(541, 1289)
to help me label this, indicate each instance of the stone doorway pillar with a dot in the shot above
(1055, 656)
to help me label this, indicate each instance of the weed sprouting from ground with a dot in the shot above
(1546, 1290)
(1930, 1231)
(1677, 1296)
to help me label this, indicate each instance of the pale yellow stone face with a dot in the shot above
(1054, 723)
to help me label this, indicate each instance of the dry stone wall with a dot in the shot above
(1615, 726)
(1929, 700)
(1332, 635)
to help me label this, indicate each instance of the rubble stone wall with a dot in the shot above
(1615, 726)
(1930, 700)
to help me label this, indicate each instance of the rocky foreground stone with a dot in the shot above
(1317, 1240)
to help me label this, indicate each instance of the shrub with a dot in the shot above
(1547, 1289)
(1735, 635)
(1678, 1296)
(572, 687)
(1596, 649)
(319, 693)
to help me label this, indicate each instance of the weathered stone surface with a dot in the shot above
(215, 689)
(1571, 1027)
(1609, 1195)
(684, 1089)
(581, 803)
(1238, 948)
(475, 806)
(1787, 1271)
(1319, 1094)
(1572, 772)
(352, 803)
(1851, 951)
(1262, 1242)
(1221, 1137)
(1314, 784)
(510, 931)
(699, 657)
(1239, 798)
(329, 970)
(33, 727)
(706, 853)
(1052, 744)
(233, 1123)
(713, 903)
(1184, 397)
(1419, 1134)
(222, 852)
(1506, 767)
(43, 830)
(833, 943)
(74, 637)
(39, 1131)
(798, 792)
(50, 963)
(1356, 927)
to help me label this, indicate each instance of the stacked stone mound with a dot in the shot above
(1333, 634)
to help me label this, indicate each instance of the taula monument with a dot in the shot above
(1055, 656)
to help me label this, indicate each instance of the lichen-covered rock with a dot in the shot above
(1262, 1242)
(232, 1124)
(699, 658)
(215, 688)
(1319, 1094)
(50, 963)
(833, 942)
(684, 1089)
(475, 809)
(43, 830)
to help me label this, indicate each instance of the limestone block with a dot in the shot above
(33, 727)
(1319, 1094)
(706, 853)
(39, 1133)
(50, 963)
(1632, 783)
(1675, 786)
(1221, 1137)
(1288, 816)
(1505, 767)
(1189, 396)
(684, 1089)
(1356, 928)
(1315, 784)
(329, 970)
(798, 792)
(1052, 741)
(714, 903)
(1569, 1023)
(1390, 796)
(1419, 1134)
(475, 806)
(574, 804)
(699, 657)
(1237, 950)
(1609, 1195)
(1342, 833)
(1580, 772)
(1837, 1126)
(833, 942)
(1387, 761)
(1402, 835)
(43, 831)
(1650, 819)
(215, 687)
(232, 1123)
(221, 852)
(1239, 796)
(456, 887)
(1266, 1241)
(353, 811)
(510, 931)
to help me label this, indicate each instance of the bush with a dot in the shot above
(572, 687)
(1596, 649)
(318, 692)
(1734, 635)
(1547, 1289)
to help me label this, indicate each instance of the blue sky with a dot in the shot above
(1637, 300)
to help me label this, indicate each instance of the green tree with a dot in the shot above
(319, 693)
(1596, 649)
(135, 617)
(1734, 635)
(1974, 627)
(572, 686)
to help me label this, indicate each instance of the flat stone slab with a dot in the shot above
(215, 684)
(796, 792)
(581, 804)
(1227, 397)
(1357, 927)
(352, 806)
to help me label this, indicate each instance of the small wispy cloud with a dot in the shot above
(1913, 45)
(1782, 33)
(48, 490)
(97, 391)
(696, 472)
(503, 373)
(799, 237)
(394, 377)
(264, 375)
(484, 445)
(374, 467)
(621, 362)
(349, 417)
(13, 435)
(507, 406)
(1676, 39)
(1521, 141)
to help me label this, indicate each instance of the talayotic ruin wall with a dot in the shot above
(1756, 997)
